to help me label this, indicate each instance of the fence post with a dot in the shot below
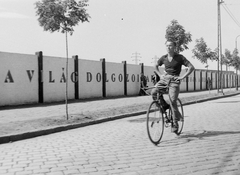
(142, 68)
(194, 80)
(125, 77)
(40, 76)
(103, 77)
(236, 81)
(76, 74)
(200, 80)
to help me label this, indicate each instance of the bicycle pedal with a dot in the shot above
(167, 120)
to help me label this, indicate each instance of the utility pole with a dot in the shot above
(219, 49)
(136, 56)
(155, 59)
(236, 68)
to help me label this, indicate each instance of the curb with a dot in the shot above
(28, 135)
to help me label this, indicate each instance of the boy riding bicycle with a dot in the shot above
(173, 63)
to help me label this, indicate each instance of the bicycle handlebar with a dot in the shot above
(162, 86)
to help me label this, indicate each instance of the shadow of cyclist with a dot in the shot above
(205, 134)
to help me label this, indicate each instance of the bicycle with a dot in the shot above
(157, 118)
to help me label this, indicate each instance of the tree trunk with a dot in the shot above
(66, 94)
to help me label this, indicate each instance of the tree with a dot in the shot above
(227, 58)
(224, 61)
(62, 15)
(202, 52)
(175, 32)
(55, 15)
(235, 62)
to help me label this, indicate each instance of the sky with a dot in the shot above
(118, 30)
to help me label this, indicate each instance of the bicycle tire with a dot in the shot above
(181, 120)
(155, 123)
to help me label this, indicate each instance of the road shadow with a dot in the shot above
(189, 136)
(225, 161)
(141, 120)
(194, 135)
(205, 134)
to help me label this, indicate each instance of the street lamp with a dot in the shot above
(236, 69)
(236, 41)
(219, 50)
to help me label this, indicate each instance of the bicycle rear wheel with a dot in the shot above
(181, 120)
(155, 123)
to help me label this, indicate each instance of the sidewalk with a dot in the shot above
(34, 120)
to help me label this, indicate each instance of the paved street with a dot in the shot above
(210, 144)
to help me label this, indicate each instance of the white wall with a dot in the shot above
(133, 83)
(204, 82)
(197, 76)
(224, 80)
(114, 79)
(214, 80)
(183, 85)
(90, 78)
(191, 82)
(54, 72)
(19, 79)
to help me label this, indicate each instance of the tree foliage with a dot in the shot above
(175, 32)
(227, 57)
(235, 62)
(63, 15)
(202, 52)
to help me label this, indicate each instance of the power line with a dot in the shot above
(232, 4)
(231, 15)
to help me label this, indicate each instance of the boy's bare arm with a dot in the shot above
(190, 69)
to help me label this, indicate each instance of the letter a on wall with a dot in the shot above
(63, 78)
(9, 78)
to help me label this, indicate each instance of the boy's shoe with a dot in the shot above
(175, 127)
(166, 119)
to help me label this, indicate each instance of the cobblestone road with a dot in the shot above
(210, 144)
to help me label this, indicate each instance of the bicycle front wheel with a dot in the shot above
(155, 123)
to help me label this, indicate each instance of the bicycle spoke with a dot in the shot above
(155, 123)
